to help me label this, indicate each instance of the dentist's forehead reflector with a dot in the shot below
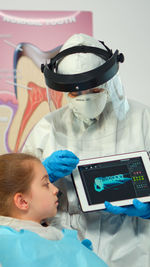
(85, 80)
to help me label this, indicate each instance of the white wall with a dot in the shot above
(122, 24)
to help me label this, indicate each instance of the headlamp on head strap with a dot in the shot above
(85, 80)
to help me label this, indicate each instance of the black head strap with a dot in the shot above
(85, 80)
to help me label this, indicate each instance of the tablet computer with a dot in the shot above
(117, 179)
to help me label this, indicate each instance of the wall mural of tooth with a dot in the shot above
(28, 39)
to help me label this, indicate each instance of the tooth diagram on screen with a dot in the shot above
(104, 183)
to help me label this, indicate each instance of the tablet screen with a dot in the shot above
(114, 180)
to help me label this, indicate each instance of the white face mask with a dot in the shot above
(88, 106)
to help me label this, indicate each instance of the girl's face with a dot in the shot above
(43, 199)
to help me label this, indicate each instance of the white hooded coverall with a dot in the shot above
(119, 240)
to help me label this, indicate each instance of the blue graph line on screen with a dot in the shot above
(104, 183)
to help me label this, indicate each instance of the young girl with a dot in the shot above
(26, 195)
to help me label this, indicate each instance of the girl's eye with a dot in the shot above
(47, 184)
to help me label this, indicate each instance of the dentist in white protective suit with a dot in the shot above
(97, 121)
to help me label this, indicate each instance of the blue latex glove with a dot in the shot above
(138, 209)
(87, 243)
(60, 164)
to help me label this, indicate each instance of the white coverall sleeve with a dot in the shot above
(32, 144)
(146, 129)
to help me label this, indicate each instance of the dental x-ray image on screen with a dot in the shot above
(117, 179)
(106, 183)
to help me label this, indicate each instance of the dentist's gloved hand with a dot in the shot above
(60, 164)
(138, 209)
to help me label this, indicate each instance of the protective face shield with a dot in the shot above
(84, 63)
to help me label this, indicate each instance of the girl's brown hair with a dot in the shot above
(16, 175)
